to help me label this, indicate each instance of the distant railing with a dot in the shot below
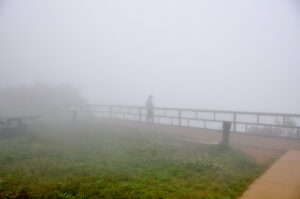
(259, 123)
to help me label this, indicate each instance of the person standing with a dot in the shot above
(149, 107)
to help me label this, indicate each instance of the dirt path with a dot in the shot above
(280, 181)
(261, 155)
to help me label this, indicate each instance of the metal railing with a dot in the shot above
(259, 123)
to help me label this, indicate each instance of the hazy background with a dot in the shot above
(237, 55)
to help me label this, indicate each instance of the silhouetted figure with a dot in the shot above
(149, 107)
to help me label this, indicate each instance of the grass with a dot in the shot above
(89, 160)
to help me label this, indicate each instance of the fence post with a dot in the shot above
(74, 116)
(140, 114)
(234, 122)
(284, 119)
(226, 133)
(179, 117)
(298, 133)
(110, 112)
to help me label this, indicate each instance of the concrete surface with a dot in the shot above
(280, 181)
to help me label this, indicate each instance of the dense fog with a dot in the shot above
(157, 99)
(233, 55)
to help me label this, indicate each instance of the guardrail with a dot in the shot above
(259, 123)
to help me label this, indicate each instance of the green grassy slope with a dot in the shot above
(97, 161)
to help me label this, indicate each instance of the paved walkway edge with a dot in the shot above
(280, 181)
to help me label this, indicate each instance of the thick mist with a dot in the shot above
(197, 54)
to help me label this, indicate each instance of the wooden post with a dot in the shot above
(284, 124)
(234, 122)
(284, 120)
(226, 133)
(179, 117)
(110, 112)
(140, 114)
(74, 116)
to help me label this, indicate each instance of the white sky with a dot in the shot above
(235, 55)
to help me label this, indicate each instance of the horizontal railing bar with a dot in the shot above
(201, 119)
(181, 114)
(195, 110)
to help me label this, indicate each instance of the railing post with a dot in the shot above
(140, 114)
(284, 124)
(110, 112)
(298, 131)
(179, 117)
(74, 116)
(234, 122)
(284, 120)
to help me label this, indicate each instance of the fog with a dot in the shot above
(149, 99)
(233, 55)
